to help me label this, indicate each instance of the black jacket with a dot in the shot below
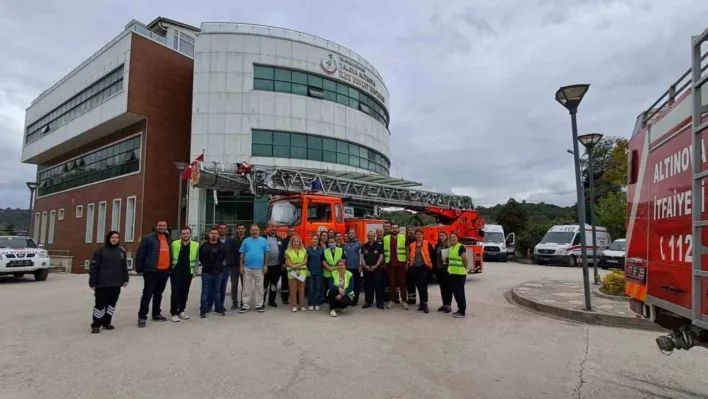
(148, 253)
(109, 266)
(231, 246)
(212, 256)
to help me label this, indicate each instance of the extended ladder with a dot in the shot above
(698, 81)
(274, 180)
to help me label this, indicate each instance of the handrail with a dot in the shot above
(234, 27)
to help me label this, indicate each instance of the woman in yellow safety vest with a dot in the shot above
(457, 271)
(341, 289)
(296, 263)
(332, 255)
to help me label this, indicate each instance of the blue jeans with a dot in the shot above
(315, 290)
(211, 287)
(222, 292)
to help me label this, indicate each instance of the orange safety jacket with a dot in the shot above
(424, 251)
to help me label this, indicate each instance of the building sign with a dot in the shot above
(350, 72)
(348, 212)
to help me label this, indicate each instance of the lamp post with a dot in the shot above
(32, 187)
(180, 169)
(589, 141)
(570, 97)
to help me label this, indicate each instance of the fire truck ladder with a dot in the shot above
(699, 80)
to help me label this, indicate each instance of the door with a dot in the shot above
(511, 243)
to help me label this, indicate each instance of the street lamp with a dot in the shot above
(32, 187)
(589, 141)
(180, 169)
(570, 97)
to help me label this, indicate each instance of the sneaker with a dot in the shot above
(420, 308)
(109, 327)
(405, 306)
(260, 309)
(366, 305)
(184, 316)
(458, 315)
(243, 309)
(343, 310)
(317, 307)
(234, 306)
(425, 308)
(333, 313)
(311, 308)
(380, 307)
(142, 323)
(448, 309)
(388, 305)
(176, 319)
(442, 308)
(95, 330)
(159, 318)
(303, 309)
(222, 313)
(272, 304)
(202, 315)
(295, 309)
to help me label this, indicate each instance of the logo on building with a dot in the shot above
(329, 64)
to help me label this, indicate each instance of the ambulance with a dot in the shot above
(496, 245)
(561, 245)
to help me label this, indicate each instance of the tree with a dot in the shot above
(609, 169)
(612, 214)
(512, 217)
(616, 173)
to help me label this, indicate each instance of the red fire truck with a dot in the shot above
(667, 263)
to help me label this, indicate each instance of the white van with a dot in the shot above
(561, 244)
(496, 246)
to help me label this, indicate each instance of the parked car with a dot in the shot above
(20, 255)
(614, 256)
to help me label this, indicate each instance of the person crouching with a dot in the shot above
(211, 255)
(341, 289)
(107, 274)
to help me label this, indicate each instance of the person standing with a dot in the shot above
(457, 269)
(296, 262)
(315, 254)
(379, 236)
(108, 272)
(185, 255)
(395, 257)
(442, 250)
(421, 262)
(154, 261)
(352, 251)
(339, 239)
(410, 278)
(284, 278)
(236, 268)
(386, 228)
(332, 255)
(372, 259)
(254, 265)
(212, 255)
(276, 260)
(230, 262)
(341, 291)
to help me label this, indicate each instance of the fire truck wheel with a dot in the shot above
(573, 261)
(41, 275)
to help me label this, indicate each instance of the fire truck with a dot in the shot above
(314, 201)
(666, 271)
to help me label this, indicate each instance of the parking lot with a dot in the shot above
(499, 351)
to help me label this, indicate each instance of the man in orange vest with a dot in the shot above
(419, 256)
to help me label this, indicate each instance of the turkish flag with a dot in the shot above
(187, 173)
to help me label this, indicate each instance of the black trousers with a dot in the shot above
(180, 282)
(284, 285)
(154, 285)
(235, 277)
(374, 286)
(411, 284)
(445, 285)
(335, 303)
(105, 305)
(458, 291)
(270, 283)
(420, 280)
(356, 282)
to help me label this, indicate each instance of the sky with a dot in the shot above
(472, 84)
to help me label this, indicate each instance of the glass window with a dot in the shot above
(283, 87)
(342, 99)
(314, 142)
(342, 89)
(338, 212)
(330, 85)
(353, 161)
(342, 159)
(299, 77)
(353, 103)
(298, 140)
(329, 144)
(283, 75)
(329, 156)
(263, 72)
(330, 95)
(314, 81)
(363, 163)
(319, 212)
(281, 151)
(353, 93)
(299, 89)
(314, 155)
(281, 138)
(260, 84)
(343, 147)
(298, 152)
(261, 150)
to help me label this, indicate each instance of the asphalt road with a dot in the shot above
(499, 351)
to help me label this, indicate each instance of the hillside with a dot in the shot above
(536, 212)
(17, 219)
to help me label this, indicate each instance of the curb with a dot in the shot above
(621, 298)
(584, 316)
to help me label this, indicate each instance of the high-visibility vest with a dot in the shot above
(400, 248)
(297, 256)
(332, 261)
(347, 280)
(454, 263)
(424, 251)
(193, 254)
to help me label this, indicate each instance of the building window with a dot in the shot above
(286, 80)
(183, 43)
(101, 226)
(43, 233)
(266, 143)
(115, 215)
(79, 211)
(88, 237)
(115, 160)
(129, 235)
(86, 100)
(60, 214)
(37, 220)
(52, 225)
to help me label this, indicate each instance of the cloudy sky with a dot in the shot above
(471, 86)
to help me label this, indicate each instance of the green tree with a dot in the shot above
(616, 173)
(512, 217)
(612, 214)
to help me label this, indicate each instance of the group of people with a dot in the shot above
(391, 266)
